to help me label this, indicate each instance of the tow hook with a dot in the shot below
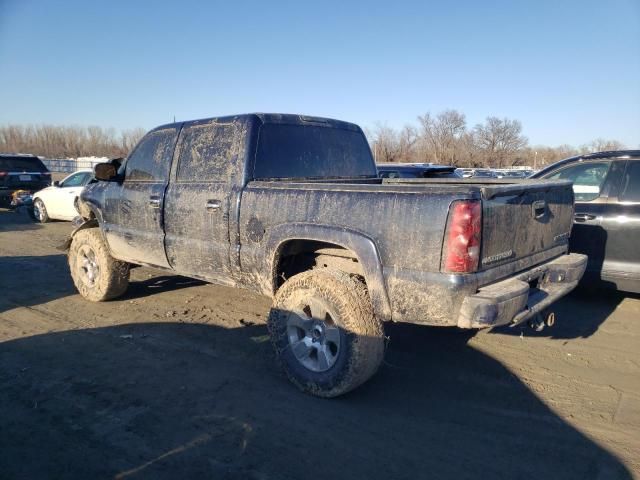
(540, 320)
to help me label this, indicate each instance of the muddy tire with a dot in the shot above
(39, 211)
(324, 332)
(96, 274)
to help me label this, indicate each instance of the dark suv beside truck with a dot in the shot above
(607, 219)
(21, 172)
(291, 206)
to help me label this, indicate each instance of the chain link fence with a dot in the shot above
(69, 165)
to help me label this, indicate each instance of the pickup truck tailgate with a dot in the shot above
(524, 218)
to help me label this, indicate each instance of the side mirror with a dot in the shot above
(56, 183)
(105, 171)
(117, 162)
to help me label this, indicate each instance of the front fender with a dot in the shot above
(91, 223)
(362, 246)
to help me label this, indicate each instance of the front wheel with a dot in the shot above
(96, 274)
(324, 332)
(40, 211)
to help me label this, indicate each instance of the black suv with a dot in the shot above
(21, 172)
(607, 217)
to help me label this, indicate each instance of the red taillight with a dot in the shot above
(462, 238)
(2, 174)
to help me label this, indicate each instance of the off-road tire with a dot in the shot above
(361, 333)
(112, 278)
(44, 217)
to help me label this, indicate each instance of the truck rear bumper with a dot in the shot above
(519, 298)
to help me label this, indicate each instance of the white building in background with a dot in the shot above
(71, 164)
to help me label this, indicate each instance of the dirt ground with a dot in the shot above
(177, 380)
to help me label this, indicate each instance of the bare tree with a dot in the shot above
(602, 145)
(499, 141)
(407, 140)
(384, 143)
(68, 142)
(129, 139)
(442, 135)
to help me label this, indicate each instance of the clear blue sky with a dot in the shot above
(569, 70)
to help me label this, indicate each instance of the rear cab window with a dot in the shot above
(206, 153)
(312, 151)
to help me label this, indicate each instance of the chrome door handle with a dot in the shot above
(154, 202)
(583, 217)
(213, 205)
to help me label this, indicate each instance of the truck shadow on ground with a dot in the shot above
(174, 400)
(578, 315)
(158, 284)
(34, 280)
(14, 220)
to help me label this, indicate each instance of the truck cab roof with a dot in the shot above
(262, 118)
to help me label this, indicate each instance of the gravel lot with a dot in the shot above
(177, 380)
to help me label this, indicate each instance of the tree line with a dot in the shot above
(442, 138)
(446, 138)
(53, 141)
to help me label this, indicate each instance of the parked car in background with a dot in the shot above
(478, 172)
(58, 202)
(416, 170)
(607, 214)
(21, 172)
(512, 173)
(484, 173)
(519, 174)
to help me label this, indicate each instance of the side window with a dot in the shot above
(206, 153)
(151, 160)
(588, 179)
(630, 191)
(75, 180)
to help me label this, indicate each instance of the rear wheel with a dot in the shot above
(40, 211)
(96, 274)
(324, 332)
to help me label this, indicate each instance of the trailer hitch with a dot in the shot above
(541, 320)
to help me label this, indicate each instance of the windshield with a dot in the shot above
(309, 151)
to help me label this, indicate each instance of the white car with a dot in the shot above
(57, 202)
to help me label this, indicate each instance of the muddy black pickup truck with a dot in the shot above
(292, 207)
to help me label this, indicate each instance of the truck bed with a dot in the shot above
(520, 218)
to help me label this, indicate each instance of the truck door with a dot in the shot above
(137, 234)
(198, 201)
